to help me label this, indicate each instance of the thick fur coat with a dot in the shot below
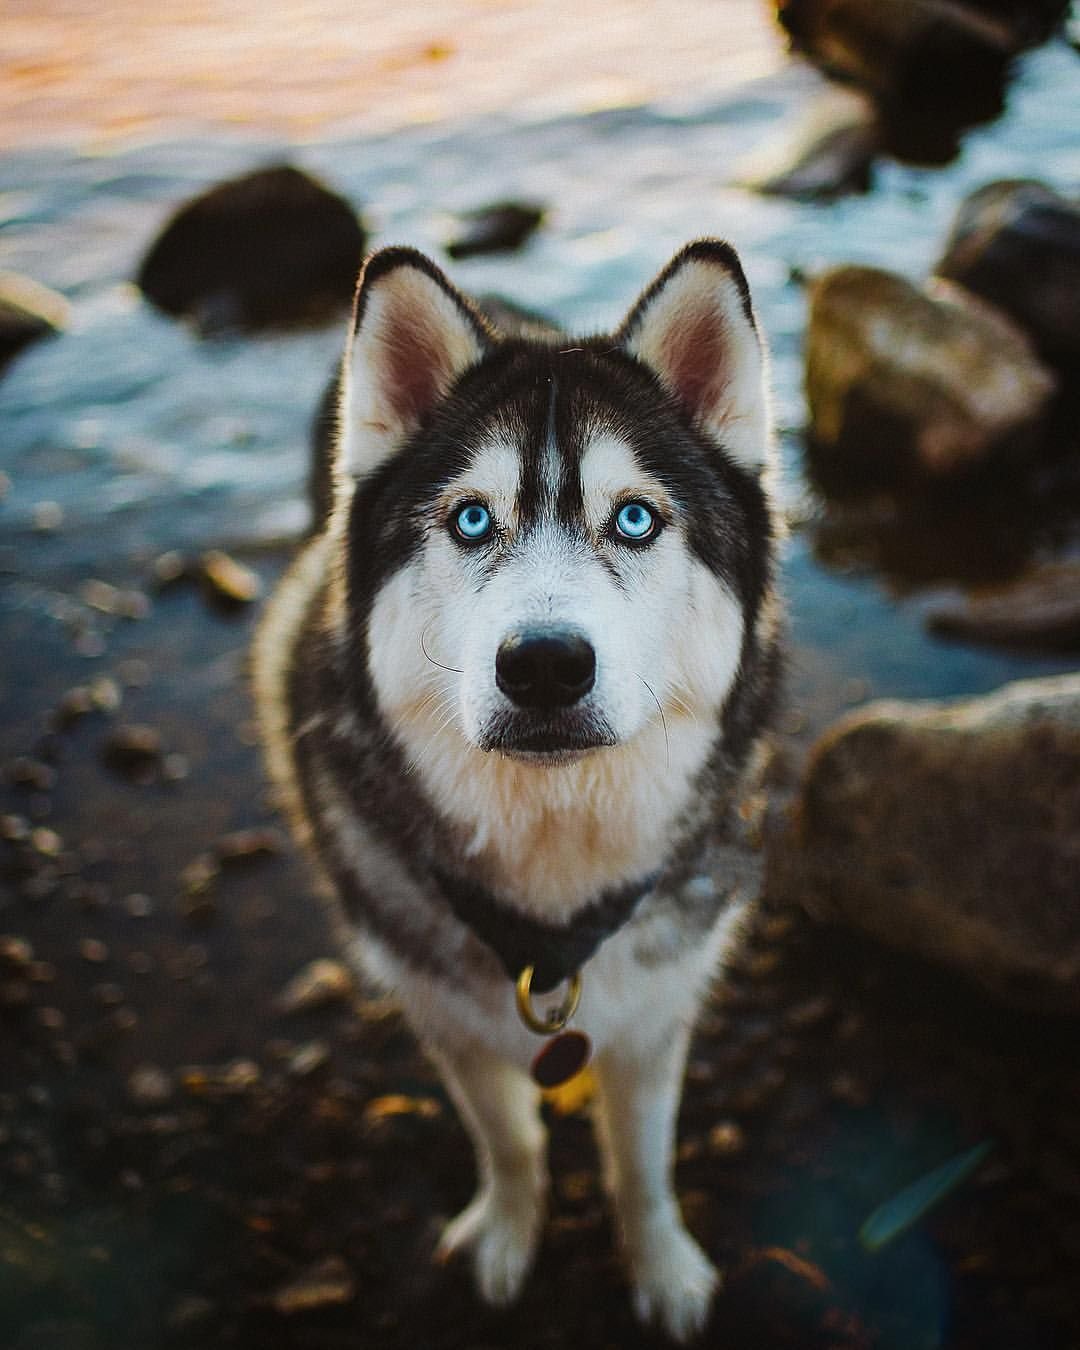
(518, 678)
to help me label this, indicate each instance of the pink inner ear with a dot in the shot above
(416, 366)
(692, 359)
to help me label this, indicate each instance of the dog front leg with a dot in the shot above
(499, 1106)
(637, 1101)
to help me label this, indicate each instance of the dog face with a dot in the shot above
(551, 546)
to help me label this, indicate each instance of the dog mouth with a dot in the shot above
(547, 741)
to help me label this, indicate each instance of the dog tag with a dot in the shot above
(562, 1057)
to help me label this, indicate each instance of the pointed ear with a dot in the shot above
(695, 328)
(413, 335)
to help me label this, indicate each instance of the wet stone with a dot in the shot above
(319, 983)
(307, 1059)
(328, 1283)
(244, 846)
(810, 1013)
(150, 1086)
(16, 953)
(31, 774)
(726, 1139)
(29, 311)
(499, 228)
(271, 247)
(134, 751)
(226, 582)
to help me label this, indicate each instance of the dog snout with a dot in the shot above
(545, 667)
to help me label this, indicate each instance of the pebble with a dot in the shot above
(320, 982)
(726, 1139)
(149, 1085)
(810, 1013)
(133, 750)
(199, 875)
(846, 1088)
(245, 845)
(139, 906)
(499, 228)
(307, 1059)
(227, 581)
(24, 772)
(15, 952)
(328, 1283)
(398, 1104)
(90, 949)
(169, 568)
(47, 517)
(14, 829)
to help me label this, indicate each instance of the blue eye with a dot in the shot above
(635, 522)
(473, 522)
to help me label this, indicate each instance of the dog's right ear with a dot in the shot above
(413, 335)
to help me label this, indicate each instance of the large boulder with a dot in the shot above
(934, 67)
(951, 830)
(829, 153)
(274, 247)
(1039, 609)
(1017, 244)
(911, 386)
(28, 311)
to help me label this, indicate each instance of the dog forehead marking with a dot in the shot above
(494, 477)
(610, 470)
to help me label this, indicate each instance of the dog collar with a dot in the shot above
(539, 956)
(555, 952)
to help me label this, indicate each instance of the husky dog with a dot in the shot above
(512, 691)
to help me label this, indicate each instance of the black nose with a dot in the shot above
(545, 667)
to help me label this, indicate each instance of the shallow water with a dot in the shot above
(149, 437)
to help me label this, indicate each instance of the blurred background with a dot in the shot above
(208, 1136)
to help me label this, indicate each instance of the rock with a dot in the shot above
(951, 830)
(150, 1086)
(909, 387)
(133, 750)
(227, 582)
(1040, 609)
(244, 846)
(498, 228)
(272, 247)
(28, 311)
(320, 982)
(326, 1284)
(829, 153)
(1016, 243)
(933, 67)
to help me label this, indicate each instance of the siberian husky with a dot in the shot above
(513, 692)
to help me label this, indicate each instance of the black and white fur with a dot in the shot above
(404, 761)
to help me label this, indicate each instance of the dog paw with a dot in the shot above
(502, 1238)
(674, 1281)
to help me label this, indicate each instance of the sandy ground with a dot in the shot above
(81, 73)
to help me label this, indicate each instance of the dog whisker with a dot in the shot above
(663, 719)
(423, 648)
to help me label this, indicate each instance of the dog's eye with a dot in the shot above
(635, 523)
(472, 522)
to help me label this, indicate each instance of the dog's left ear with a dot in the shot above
(695, 328)
(414, 334)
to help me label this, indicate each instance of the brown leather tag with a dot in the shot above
(560, 1058)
